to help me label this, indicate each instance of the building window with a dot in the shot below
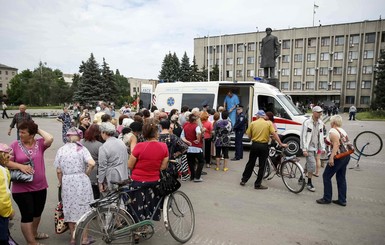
(323, 85)
(383, 36)
(229, 74)
(6, 72)
(352, 70)
(366, 84)
(336, 85)
(325, 41)
(210, 62)
(239, 73)
(251, 47)
(339, 41)
(284, 85)
(239, 61)
(351, 84)
(134, 89)
(298, 58)
(286, 44)
(349, 99)
(250, 60)
(297, 85)
(285, 72)
(367, 69)
(297, 71)
(13, 73)
(285, 58)
(353, 55)
(229, 61)
(310, 57)
(354, 39)
(310, 85)
(299, 43)
(311, 42)
(365, 100)
(229, 48)
(324, 56)
(370, 37)
(323, 71)
(219, 49)
(240, 47)
(310, 71)
(259, 59)
(368, 54)
(337, 70)
(260, 72)
(0, 72)
(250, 73)
(338, 55)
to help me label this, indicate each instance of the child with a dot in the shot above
(6, 210)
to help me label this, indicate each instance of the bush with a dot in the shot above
(371, 115)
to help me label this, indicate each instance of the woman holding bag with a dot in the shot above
(30, 197)
(337, 135)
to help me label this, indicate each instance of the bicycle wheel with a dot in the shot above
(267, 168)
(292, 176)
(180, 216)
(368, 143)
(106, 226)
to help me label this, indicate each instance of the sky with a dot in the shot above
(135, 35)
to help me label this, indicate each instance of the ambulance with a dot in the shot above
(253, 96)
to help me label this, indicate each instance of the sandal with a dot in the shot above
(41, 236)
(315, 175)
(89, 240)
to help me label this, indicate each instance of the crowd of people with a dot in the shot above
(139, 145)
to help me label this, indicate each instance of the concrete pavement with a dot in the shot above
(227, 213)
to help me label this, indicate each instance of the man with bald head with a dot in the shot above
(19, 117)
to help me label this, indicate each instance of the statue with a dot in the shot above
(270, 50)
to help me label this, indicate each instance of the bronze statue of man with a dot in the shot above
(270, 50)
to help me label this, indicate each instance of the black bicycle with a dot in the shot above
(286, 167)
(366, 143)
(111, 219)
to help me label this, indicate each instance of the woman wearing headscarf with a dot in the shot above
(74, 164)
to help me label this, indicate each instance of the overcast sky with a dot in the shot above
(135, 35)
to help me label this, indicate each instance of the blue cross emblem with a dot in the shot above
(170, 101)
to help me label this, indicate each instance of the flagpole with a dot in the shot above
(208, 57)
(313, 12)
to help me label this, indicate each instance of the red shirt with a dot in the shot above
(149, 155)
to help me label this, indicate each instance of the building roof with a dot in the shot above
(7, 67)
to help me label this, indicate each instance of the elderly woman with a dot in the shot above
(92, 141)
(73, 164)
(146, 161)
(335, 166)
(222, 131)
(30, 197)
(113, 158)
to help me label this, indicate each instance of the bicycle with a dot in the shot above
(108, 223)
(366, 143)
(287, 167)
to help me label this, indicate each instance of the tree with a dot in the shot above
(379, 89)
(185, 69)
(196, 75)
(214, 73)
(204, 73)
(170, 71)
(17, 87)
(90, 87)
(123, 87)
(108, 83)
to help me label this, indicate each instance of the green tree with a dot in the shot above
(123, 86)
(379, 89)
(196, 75)
(90, 87)
(175, 66)
(170, 71)
(17, 87)
(109, 89)
(185, 69)
(204, 73)
(214, 73)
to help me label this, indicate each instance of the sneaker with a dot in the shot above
(198, 180)
(226, 169)
(217, 169)
(310, 187)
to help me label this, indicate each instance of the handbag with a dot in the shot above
(60, 225)
(19, 176)
(344, 151)
(168, 183)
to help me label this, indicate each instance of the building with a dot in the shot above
(6, 74)
(317, 64)
(136, 85)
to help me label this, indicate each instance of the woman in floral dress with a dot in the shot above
(74, 164)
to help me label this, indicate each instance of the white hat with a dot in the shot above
(127, 122)
(317, 109)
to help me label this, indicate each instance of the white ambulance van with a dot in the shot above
(253, 96)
